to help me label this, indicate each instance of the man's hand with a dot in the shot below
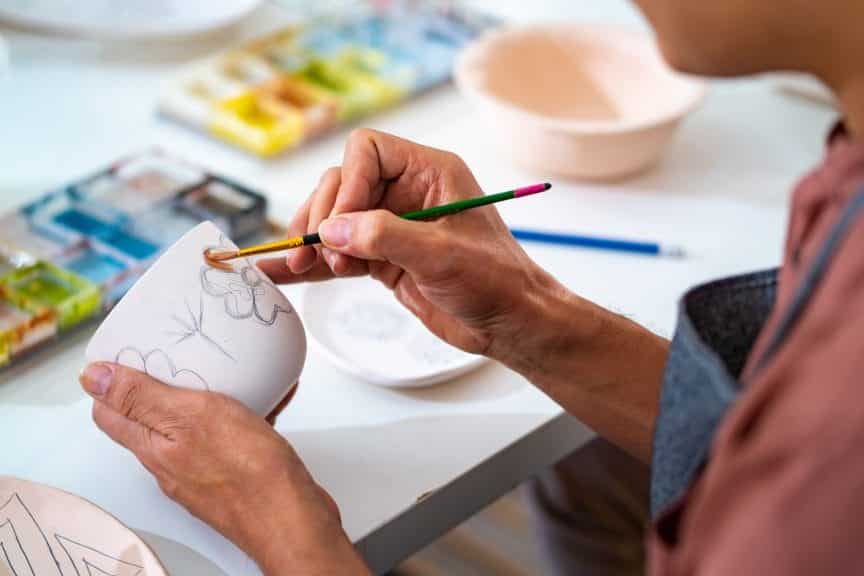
(226, 466)
(463, 276)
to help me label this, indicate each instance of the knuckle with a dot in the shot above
(127, 394)
(196, 408)
(201, 401)
(98, 414)
(298, 222)
(204, 408)
(359, 135)
(454, 161)
(228, 408)
(376, 228)
(213, 403)
(330, 176)
(455, 170)
(377, 273)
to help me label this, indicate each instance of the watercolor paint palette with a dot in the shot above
(67, 257)
(276, 92)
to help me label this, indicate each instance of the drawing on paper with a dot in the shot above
(159, 365)
(246, 292)
(27, 549)
(193, 327)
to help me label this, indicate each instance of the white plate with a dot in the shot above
(361, 328)
(47, 531)
(127, 18)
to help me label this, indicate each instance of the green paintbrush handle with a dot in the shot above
(462, 205)
(454, 207)
(428, 214)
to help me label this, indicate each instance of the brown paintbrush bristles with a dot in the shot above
(216, 258)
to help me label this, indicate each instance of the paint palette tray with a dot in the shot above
(67, 257)
(276, 92)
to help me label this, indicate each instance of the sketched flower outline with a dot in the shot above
(243, 291)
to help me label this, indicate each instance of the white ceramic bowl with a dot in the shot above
(581, 101)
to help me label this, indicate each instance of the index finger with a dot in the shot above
(384, 171)
(371, 159)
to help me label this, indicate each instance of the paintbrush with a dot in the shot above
(219, 258)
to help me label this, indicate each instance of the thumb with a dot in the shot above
(134, 395)
(381, 235)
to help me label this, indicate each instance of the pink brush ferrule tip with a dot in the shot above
(528, 190)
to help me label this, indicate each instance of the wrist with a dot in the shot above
(551, 322)
(331, 555)
(599, 366)
(300, 532)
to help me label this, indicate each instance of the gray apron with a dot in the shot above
(718, 324)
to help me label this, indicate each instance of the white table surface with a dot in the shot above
(69, 106)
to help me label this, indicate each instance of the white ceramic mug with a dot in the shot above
(191, 325)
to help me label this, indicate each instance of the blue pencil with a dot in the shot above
(598, 243)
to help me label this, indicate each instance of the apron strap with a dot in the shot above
(812, 278)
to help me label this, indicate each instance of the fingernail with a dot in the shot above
(329, 256)
(96, 379)
(289, 262)
(335, 232)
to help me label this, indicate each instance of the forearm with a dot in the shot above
(600, 367)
